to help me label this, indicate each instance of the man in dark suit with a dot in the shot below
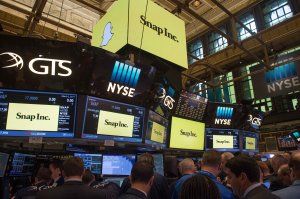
(141, 177)
(73, 188)
(55, 167)
(160, 188)
(243, 176)
(293, 191)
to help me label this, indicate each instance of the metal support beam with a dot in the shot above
(197, 79)
(201, 19)
(219, 70)
(250, 31)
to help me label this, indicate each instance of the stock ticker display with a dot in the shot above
(191, 106)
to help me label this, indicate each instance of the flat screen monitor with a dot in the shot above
(22, 164)
(159, 163)
(191, 106)
(157, 128)
(93, 162)
(221, 115)
(264, 159)
(109, 120)
(4, 157)
(118, 165)
(222, 139)
(286, 143)
(187, 134)
(296, 135)
(28, 113)
(250, 141)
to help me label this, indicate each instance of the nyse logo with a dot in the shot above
(124, 79)
(282, 77)
(223, 115)
(255, 121)
(39, 66)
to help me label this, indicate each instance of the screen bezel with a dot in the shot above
(243, 142)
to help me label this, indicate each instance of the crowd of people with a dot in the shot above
(221, 176)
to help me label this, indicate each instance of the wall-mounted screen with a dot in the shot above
(191, 106)
(222, 139)
(3, 163)
(187, 134)
(286, 143)
(22, 164)
(109, 120)
(221, 115)
(118, 165)
(157, 128)
(250, 141)
(93, 162)
(25, 113)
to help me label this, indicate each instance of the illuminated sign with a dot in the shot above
(158, 133)
(254, 121)
(144, 25)
(282, 77)
(250, 143)
(187, 134)
(223, 115)
(40, 66)
(33, 117)
(124, 79)
(222, 141)
(116, 124)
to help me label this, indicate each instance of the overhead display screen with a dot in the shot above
(3, 163)
(22, 164)
(222, 139)
(221, 115)
(24, 113)
(157, 128)
(93, 162)
(250, 141)
(110, 120)
(191, 106)
(118, 165)
(187, 134)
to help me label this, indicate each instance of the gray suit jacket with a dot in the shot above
(260, 193)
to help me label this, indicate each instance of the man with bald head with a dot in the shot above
(224, 159)
(293, 191)
(186, 168)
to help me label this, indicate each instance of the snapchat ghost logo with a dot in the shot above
(107, 34)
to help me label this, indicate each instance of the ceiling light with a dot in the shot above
(196, 3)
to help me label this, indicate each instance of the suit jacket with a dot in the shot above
(260, 193)
(133, 194)
(72, 190)
(159, 189)
(291, 192)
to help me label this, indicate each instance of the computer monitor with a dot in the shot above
(250, 141)
(118, 165)
(4, 157)
(187, 134)
(286, 143)
(42, 114)
(157, 128)
(22, 164)
(93, 162)
(109, 120)
(222, 139)
(159, 163)
(296, 135)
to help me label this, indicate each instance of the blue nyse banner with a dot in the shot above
(279, 81)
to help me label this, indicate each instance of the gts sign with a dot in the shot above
(39, 66)
(124, 79)
(223, 115)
